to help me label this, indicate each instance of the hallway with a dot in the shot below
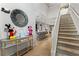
(43, 48)
(30, 25)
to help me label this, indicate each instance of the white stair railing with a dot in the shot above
(55, 34)
(75, 17)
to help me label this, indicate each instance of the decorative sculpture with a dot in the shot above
(5, 11)
(30, 30)
(11, 32)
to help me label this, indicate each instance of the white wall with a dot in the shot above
(64, 11)
(45, 27)
(75, 6)
(32, 11)
(74, 12)
(52, 13)
(42, 17)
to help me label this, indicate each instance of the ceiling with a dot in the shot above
(62, 5)
(49, 5)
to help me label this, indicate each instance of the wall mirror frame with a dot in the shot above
(19, 18)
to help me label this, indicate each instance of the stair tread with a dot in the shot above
(67, 30)
(68, 34)
(67, 27)
(67, 24)
(69, 43)
(69, 49)
(68, 38)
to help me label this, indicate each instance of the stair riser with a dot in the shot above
(66, 25)
(67, 28)
(61, 53)
(68, 31)
(74, 52)
(67, 21)
(65, 53)
(69, 46)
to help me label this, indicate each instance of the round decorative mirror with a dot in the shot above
(19, 18)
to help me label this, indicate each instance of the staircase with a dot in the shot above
(68, 42)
